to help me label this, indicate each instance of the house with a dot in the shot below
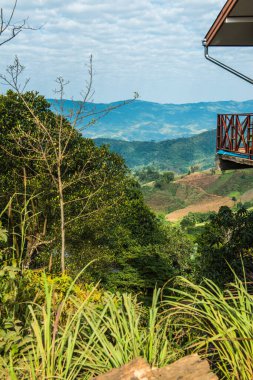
(233, 27)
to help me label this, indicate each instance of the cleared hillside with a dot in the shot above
(200, 192)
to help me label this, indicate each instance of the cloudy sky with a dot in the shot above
(149, 46)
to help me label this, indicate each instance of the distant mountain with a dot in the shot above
(177, 155)
(146, 121)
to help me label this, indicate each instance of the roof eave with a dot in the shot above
(219, 21)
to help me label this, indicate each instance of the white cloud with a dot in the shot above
(149, 46)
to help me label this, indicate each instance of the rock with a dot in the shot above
(188, 368)
(137, 369)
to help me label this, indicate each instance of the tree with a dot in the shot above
(188, 221)
(54, 147)
(194, 168)
(148, 174)
(226, 241)
(164, 179)
(234, 199)
(168, 177)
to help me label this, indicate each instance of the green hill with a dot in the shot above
(176, 155)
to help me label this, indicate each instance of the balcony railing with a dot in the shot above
(235, 134)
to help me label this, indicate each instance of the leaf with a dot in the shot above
(12, 275)
(8, 325)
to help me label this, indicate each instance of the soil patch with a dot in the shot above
(202, 180)
(213, 203)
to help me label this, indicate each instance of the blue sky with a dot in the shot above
(149, 46)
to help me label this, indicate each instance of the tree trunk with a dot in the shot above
(62, 222)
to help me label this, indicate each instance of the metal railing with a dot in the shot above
(235, 134)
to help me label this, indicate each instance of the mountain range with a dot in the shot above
(147, 121)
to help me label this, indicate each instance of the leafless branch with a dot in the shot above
(9, 29)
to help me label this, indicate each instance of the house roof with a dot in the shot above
(233, 26)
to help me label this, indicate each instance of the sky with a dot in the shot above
(152, 47)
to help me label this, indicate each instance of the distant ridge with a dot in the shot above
(147, 121)
(177, 155)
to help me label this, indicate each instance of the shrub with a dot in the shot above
(217, 324)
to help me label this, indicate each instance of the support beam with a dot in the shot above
(239, 20)
(230, 163)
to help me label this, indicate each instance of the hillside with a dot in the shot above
(200, 192)
(147, 121)
(176, 155)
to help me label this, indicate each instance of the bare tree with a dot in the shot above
(49, 147)
(8, 28)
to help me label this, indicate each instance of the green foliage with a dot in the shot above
(3, 234)
(147, 174)
(150, 174)
(188, 221)
(227, 237)
(164, 179)
(232, 183)
(202, 217)
(33, 216)
(133, 253)
(116, 227)
(52, 326)
(87, 339)
(217, 325)
(168, 177)
(174, 155)
(11, 339)
(246, 205)
(72, 337)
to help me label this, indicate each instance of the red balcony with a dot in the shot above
(235, 140)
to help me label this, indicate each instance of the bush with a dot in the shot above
(226, 239)
(188, 221)
(202, 217)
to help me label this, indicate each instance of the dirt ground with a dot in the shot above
(202, 180)
(212, 204)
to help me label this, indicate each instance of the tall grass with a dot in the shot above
(220, 325)
(79, 340)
